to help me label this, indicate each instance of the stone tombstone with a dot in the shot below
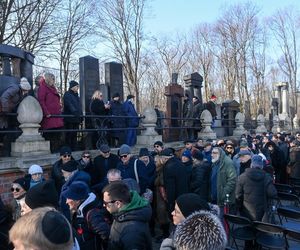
(114, 79)
(149, 135)
(206, 131)
(276, 127)
(174, 93)
(14, 64)
(239, 121)
(298, 104)
(30, 142)
(193, 84)
(261, 128)
(89, 80)
(229, 110)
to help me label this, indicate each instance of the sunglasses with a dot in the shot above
(15, 189)
(123, 156)
(105, 203)
(65, 156)
(106, 152)
(86, 156)
(229, 147)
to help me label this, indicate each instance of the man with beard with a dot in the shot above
(277, 161)
(222, 179)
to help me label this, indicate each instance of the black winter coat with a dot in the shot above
(175, 180)
(197, 110)
(200, 177)
(72, 106)
(89, 222)
(254, 188)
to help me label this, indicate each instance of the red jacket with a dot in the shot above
(49, 100)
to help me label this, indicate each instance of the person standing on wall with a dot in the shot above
(132, 122)
(72, 106)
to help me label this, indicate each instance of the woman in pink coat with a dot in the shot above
(49, 100)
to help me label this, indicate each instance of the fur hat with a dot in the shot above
(73, 84)
(41, 195)
(24, 84)
(190, 202)
(35, 169)
(202, 230)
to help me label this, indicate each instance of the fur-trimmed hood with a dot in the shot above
(202, 230)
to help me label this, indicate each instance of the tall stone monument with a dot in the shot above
(174, 93)
(193, 84)
(114, 79)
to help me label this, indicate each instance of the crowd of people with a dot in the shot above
(65, 112)
(172, 197)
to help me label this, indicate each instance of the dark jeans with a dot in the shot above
(71, 136)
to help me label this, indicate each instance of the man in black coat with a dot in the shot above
(72, 106)
(197, 110)
(175, 178)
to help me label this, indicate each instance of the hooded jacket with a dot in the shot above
(254, 188)
(226, 179)
(130, 228)
(201, 230)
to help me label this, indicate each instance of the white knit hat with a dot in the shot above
(24, 84)
(35, 169)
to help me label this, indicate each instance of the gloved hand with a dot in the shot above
(167, 244)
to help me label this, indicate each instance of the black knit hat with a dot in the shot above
(56, 228)
(78, 190)
(190, 203)
(73, 84)
(144, 152)
(70, 166)
(198, 155)
(23, 182)
(41, 195)
(65, 150)
(158, 143)
(116, 95)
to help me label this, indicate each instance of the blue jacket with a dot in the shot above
(127, 171)
(130, 111)
(77, 176)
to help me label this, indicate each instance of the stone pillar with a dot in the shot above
(298, 104)
(285, 99)
(193, 83)
(276, 127)
(30, 142)
(149, 135)
(239, 121)
(278, 96)
(261, 128)
(6, 66)
(114, 79)
(296, 122)
(206, 131)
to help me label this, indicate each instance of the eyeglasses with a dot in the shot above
(65, 156)
(123, 156)
(105, 203)
(106, 152)
(86, 156)
(15, 189)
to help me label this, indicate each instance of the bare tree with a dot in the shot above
(285, 25)
(121, 26)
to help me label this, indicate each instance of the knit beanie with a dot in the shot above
(70, 166)
(124, 149)
(144, 152)
(35, 169)
(73, 84)
(257, 162)
(158, 143)
(190, 202)
(56, 228)
(24, 84)
(78, 190)
(23, 182)
(65, 150)
(41, 195)
(187, 153)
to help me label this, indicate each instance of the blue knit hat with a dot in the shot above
(77, 191)
(187, 153)
(257, 161)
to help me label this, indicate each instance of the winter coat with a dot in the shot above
(76, 176)
(49, 100)
(278, 162)
(102, 165)
(129, 110)
(91, 229)
(201, 230)
(9, 101)
(254, 189)
(211, 107)
(117, 109)
(226, 179)
(72, 106)
(199, 183)
(187, 112)
(175, 180)
(130, 229)
(197, 110)
(127, 171)
(294, 163)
